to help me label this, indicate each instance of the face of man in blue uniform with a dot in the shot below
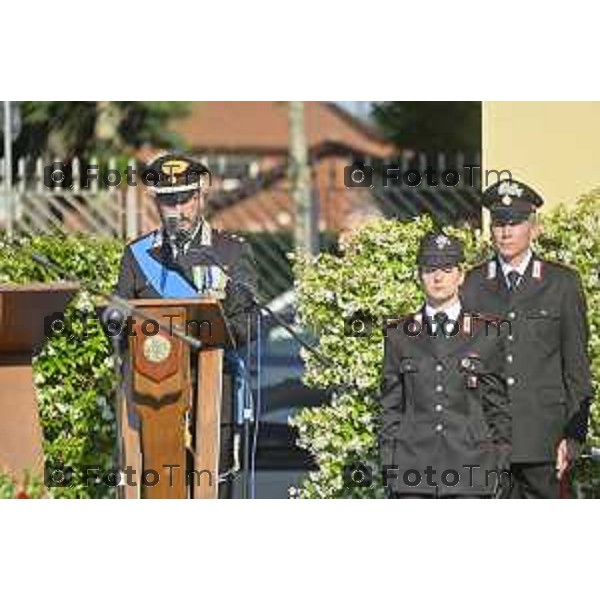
(512, 240)
(184, 213)
(441, 284)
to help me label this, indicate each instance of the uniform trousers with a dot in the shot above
(533, 480)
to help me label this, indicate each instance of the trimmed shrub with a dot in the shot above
(74, 374)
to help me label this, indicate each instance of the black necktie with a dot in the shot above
(441, 318)
(514, 279)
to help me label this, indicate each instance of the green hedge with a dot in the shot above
(74, 377)
(377, 276)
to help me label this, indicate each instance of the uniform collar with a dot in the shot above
(427, 328)
(453, 311)
(520, 268)
(531, 270)
(202, 235)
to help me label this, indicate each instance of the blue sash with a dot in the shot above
(167, 282)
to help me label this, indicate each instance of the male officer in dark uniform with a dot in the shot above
(445, 422)
(548, 372)
(187, 257)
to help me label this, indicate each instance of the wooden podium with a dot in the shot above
(176, 393)
(23, 309)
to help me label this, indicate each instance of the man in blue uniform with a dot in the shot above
(185, 258)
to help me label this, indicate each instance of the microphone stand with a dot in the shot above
(261, 307)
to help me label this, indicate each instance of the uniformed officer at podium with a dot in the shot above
(185, 258)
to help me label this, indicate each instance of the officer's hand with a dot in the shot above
(566, 454)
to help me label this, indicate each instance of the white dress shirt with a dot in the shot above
(520, 268)
(453, 312)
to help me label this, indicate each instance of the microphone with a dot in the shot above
(113, 315)
(177, 235)
(171, 225)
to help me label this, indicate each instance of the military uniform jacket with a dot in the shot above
(444, 405)
(547, 367)
(230, 250)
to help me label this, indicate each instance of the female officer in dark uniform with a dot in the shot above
(446, 425)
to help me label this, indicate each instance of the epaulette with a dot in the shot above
(479, 266)
(554, 264)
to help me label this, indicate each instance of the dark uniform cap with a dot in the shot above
(511, 201)
(177, 177)
(439, 250)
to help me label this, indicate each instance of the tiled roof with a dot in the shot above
(262, 128)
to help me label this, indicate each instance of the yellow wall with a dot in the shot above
(553, 146)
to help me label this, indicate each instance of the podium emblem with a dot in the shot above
(156, 349)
